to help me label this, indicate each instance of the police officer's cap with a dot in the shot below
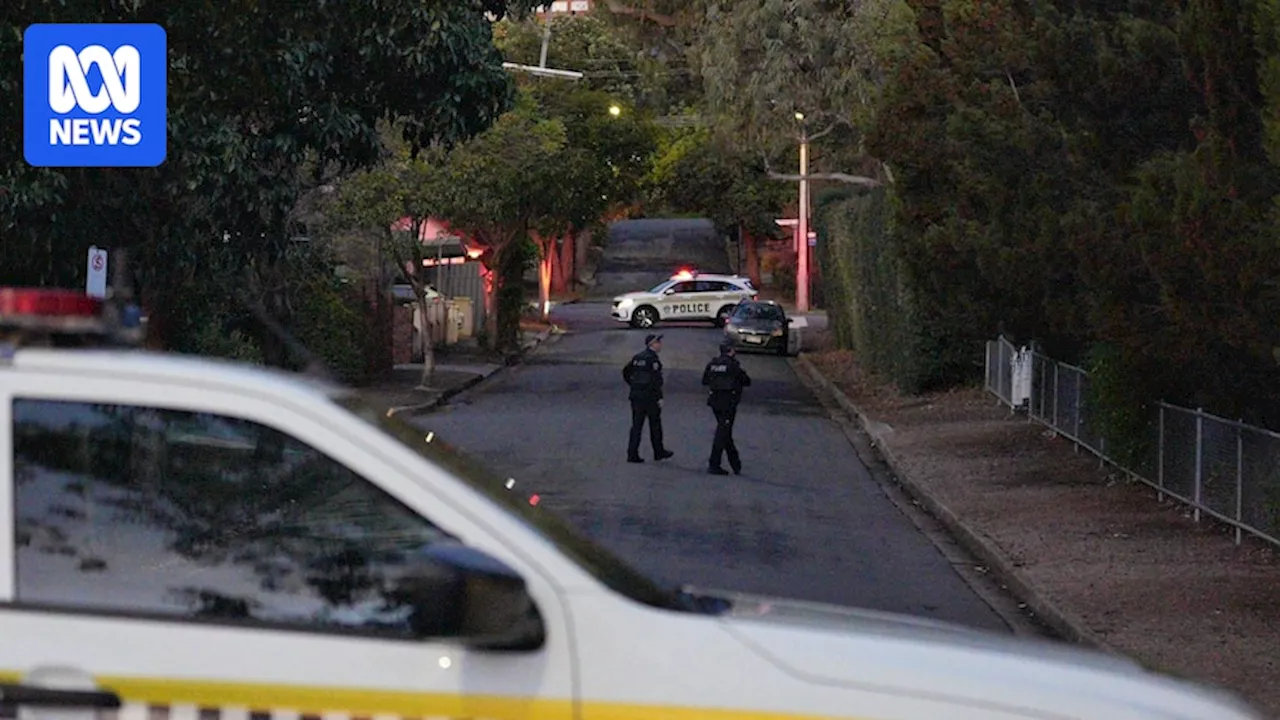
(726, 347)
(651, 339)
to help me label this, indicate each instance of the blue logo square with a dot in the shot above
(95, 95)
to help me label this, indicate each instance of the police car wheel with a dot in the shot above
(644, 317)
(722, 315)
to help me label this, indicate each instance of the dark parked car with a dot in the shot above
(758, 325)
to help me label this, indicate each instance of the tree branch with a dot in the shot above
(836, 176)
(826, 131)
(617, 8)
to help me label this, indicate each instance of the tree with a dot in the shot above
(263, 103)
(492, 193)
(700, 171)
(376, 200)
(578, 42)
(600, 167)
(750, 54)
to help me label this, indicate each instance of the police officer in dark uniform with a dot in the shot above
(724, 379)
(644, 375)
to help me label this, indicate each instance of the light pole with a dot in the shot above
(542, 70)
(802, 229)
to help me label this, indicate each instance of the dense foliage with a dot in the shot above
(264, 103)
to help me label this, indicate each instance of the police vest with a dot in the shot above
(641, 372)
(723, 378)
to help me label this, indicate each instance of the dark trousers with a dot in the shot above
(726, 413)
(641, 410)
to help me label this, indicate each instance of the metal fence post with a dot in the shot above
(1160, 458)
(1042, 379)
(986, 367)
(1199, 459)
(1077, 431)
(1055, 396)
(1001, 362)
(1239, 480)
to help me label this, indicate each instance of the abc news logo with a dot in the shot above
(95, 95)
(69, 89)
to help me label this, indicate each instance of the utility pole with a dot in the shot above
(802, 227)
(541, 69)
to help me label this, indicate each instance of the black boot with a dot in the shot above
(717, 470)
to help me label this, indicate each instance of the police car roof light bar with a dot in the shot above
(42, 302)
(39, 316)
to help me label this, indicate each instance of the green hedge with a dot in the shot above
(871, 308)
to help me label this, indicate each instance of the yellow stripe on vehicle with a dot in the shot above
(270, 700)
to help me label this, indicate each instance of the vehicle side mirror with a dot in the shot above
(459, 592)
(788, 321)
(669, 291)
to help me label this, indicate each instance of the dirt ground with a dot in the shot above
(1177, 596)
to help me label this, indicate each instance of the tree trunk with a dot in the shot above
(426, 336)
(546, 271)
(275, 351)
(491, 286)
(582, 245)
(566, 278)
(753, 256)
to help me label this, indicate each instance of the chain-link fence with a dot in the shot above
(1220, 467)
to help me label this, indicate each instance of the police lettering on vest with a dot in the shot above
(641, 375)
(722, 379)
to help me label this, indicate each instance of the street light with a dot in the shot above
(614, 110)
(802, 229)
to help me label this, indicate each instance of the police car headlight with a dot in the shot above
(625, 302)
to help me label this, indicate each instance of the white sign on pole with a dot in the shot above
(95, 284)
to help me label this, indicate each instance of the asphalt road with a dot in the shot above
(642, 253)
(805, 520)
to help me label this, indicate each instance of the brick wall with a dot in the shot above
(402, 334)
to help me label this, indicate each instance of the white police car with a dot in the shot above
(187, 539)
(687, 295)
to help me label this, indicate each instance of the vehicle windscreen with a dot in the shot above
(659, 287)
(611, 570)
(759, 312)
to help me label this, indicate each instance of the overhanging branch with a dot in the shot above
(836, 176)
(617, 8)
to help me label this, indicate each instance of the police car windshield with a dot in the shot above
(609, 569)
(660, 286)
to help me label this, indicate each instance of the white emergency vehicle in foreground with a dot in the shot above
(187, 539)
(685, 296)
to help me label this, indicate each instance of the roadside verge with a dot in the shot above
(405, 397)
(1062, 622)
(1094, 555)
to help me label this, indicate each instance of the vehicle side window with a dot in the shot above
(711, 286)
(136, 510)
(684, 287)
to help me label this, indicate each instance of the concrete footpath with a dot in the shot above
(1093, 555)
(403, 392)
